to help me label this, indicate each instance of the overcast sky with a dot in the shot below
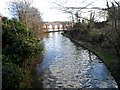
(50, 11)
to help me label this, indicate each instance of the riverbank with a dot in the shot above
(29, 71)
(111, 62)
(67, 65)
(19, 51)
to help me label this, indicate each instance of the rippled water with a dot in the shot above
(67, 65)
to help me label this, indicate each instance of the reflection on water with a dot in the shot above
(54, 29)
(66, 65)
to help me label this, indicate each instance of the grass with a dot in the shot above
(103, 56)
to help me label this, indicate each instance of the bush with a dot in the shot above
(96, 36)
(11, 76)
(18, 45)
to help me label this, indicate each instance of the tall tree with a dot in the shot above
(27, 15)
(113, 33)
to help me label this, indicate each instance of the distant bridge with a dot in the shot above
(56, 26)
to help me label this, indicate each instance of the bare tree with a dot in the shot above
(75, 12)
(27, 15)
(113, 34)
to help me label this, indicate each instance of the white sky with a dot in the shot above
(50, 11)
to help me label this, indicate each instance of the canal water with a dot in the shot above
(67, 65)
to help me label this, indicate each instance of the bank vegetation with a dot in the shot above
(20, 44)
(102, 38)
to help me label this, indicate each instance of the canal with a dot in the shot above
(67, 65)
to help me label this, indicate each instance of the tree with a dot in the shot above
(74, 11)
(113, 32)
(27, 15)
(17, 49)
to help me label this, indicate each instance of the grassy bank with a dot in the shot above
(110, 61)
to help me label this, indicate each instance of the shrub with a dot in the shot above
(18, 45)
(11, 75)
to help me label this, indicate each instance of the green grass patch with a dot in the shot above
(105, 57)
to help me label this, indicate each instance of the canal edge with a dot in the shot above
(101, 57)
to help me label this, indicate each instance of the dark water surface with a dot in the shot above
(67, 65)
